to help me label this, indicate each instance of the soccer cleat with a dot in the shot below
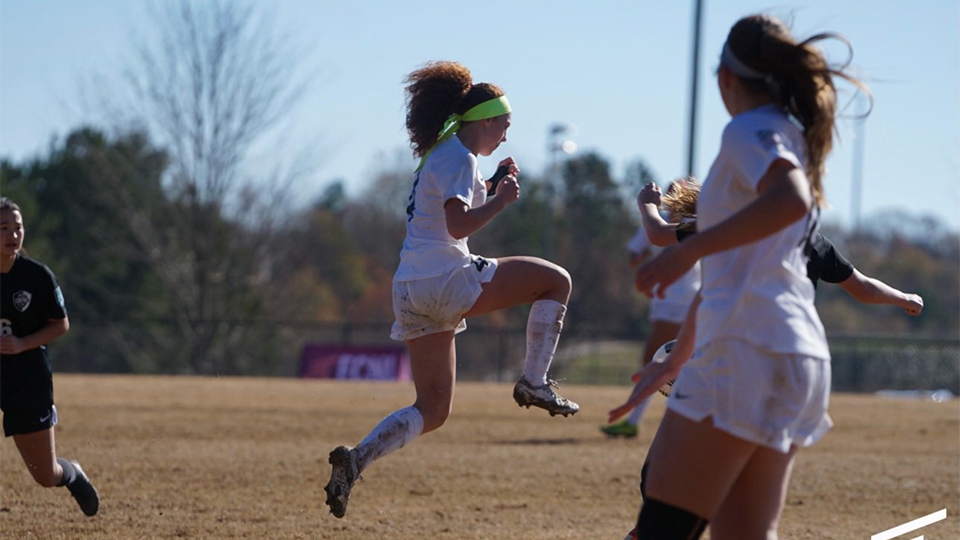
(622, 428)
(83, 491)
(525, 394)
(345, 473)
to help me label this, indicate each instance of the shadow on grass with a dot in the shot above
(538, 442)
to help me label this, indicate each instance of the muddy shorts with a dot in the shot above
(437, 304)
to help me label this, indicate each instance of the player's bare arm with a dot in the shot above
(462, 221)
(657, 374)
(873, 291)
(659, 231)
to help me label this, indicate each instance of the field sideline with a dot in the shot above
(232, 458)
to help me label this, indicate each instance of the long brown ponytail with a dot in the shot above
(436, 91)
(798, 78)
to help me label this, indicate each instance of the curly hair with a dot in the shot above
(799, 79)
(436, 91)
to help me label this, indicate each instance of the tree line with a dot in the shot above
(177, 256)
(158, 280)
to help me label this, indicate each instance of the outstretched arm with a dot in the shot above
(654, 375)
(873, 291)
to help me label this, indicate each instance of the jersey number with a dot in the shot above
(6, 327)
(412, 199)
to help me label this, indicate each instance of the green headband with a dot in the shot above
(488, 109)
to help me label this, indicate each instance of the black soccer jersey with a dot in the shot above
(29, 297)
(826, 262)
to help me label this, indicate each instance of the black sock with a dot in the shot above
(69, 472)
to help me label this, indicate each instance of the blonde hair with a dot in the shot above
(798, 78)
(681, 197)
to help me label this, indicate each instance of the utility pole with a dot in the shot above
(859, 141)
(694, 84)
(557, 146)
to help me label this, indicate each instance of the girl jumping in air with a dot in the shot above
(755, 379)
(439, 283)
(32, 314)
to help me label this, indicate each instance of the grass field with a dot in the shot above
(231, 458)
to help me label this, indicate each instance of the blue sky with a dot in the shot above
(617, 71)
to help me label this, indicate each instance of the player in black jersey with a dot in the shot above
(826, 262)
(32, 314)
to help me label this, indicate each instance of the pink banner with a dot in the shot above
(386, 363)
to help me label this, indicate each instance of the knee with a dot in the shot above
(47, 478)
(434, 414)
(562, 280)
(643, 479)
(565, 279)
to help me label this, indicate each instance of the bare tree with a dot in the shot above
(214, 81)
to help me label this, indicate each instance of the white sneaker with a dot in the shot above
(525, 394)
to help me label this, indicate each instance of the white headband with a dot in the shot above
(727, 58)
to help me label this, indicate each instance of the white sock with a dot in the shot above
(638, 412)
(392, 433)
(543, 331)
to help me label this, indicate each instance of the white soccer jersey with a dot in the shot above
(758, 292)
(428, 250)
(639, 243)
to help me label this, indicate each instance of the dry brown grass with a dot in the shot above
(246, 458)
